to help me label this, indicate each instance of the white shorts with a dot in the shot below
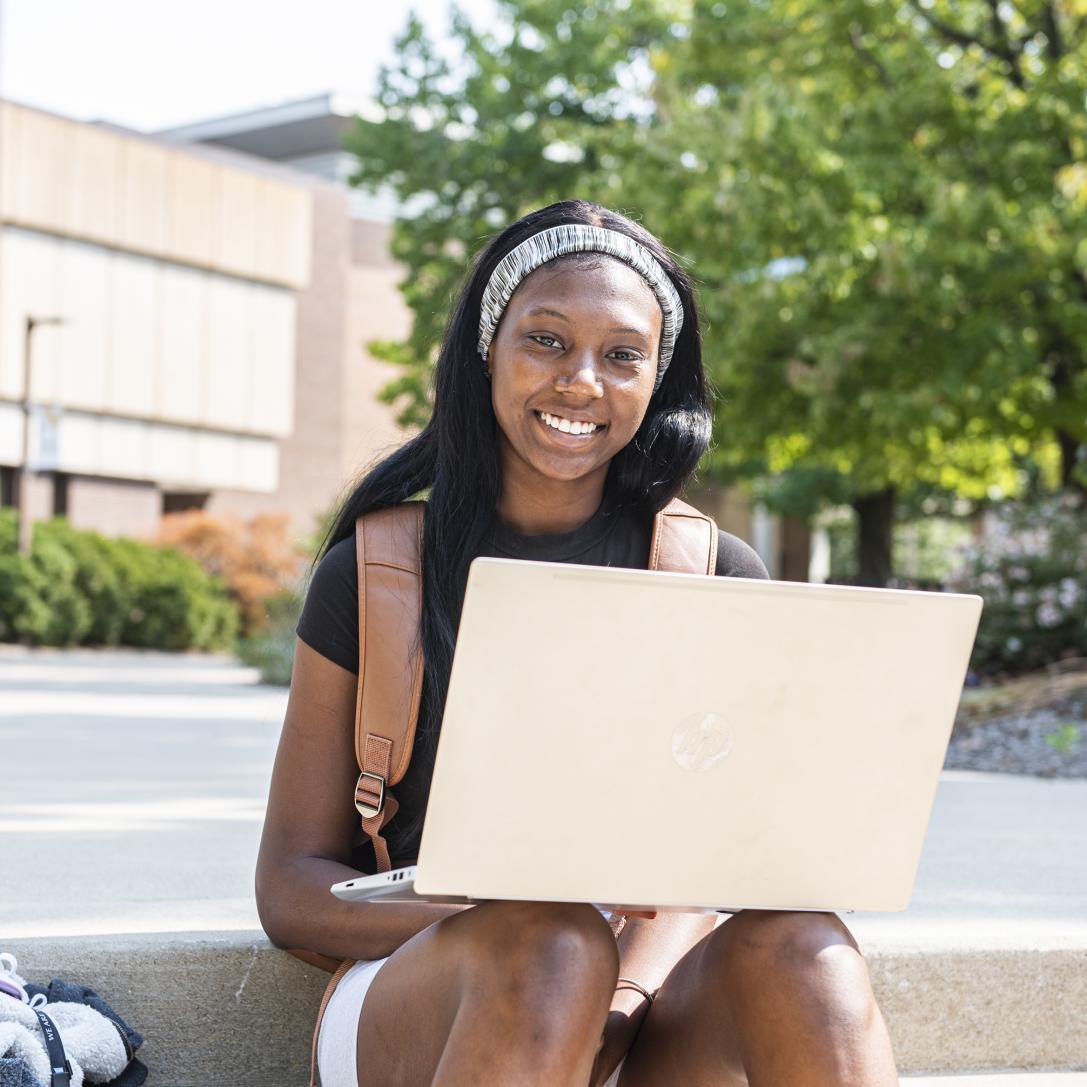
(337, 1044)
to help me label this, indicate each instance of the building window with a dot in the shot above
(9, 495)
(179, 501)
(60, 494)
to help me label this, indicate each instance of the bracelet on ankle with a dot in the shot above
(626, 983)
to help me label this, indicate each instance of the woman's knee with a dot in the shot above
(783, 951)
(788, 935)
(538, 946)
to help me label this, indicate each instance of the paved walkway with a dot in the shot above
(134, 786)
(139, 780)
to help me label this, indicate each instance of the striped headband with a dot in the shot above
(558, 241)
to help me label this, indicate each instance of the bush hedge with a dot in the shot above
(255, 559)
(272, 649)
(81, 588)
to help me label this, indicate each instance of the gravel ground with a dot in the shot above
(1049, 742)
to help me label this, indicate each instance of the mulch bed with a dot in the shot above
(1034, 724)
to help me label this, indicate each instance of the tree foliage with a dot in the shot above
(927, 320)
(884, 204)
(471, 142)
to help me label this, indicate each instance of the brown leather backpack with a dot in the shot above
(388, 548)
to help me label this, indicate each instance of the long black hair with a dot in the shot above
(456, 454)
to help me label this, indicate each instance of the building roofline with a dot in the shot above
(228, 156)
(332, 103)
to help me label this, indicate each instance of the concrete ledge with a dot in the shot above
(983, 1010)
(1002, 1079)
(227, 1008)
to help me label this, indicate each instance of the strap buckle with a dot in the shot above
(60, 1070)
(366, 809)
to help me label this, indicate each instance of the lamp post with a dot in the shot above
(24, 480)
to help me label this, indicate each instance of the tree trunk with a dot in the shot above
(1065, 363)
(795, 549)
(875, 536)
(1069, 447)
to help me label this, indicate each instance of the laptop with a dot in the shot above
(679, 742)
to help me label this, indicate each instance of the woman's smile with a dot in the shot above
(568, 432)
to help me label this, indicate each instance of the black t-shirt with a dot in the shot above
(329, 622)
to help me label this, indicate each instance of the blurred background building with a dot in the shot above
(192, 318)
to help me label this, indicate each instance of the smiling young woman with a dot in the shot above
(570, 405)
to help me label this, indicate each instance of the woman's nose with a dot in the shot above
(582, 376)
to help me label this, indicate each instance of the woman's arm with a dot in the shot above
(310, 824)
(648, 949)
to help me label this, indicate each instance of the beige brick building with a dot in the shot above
(214, 308)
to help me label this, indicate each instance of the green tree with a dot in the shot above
(912, 187)
(883, 204)
(471, 144)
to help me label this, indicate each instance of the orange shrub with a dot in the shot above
(255, 559)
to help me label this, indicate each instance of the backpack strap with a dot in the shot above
(684, 540)
(388, 549)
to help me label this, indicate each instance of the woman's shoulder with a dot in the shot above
(737, 559)
(329, 622)
(336, 571)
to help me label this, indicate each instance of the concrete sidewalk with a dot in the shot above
(139, 780)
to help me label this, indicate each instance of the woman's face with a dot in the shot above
(577, 344)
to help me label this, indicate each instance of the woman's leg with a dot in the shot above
(768, 998)
(507, 992)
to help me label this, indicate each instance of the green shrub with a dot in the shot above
(69, 610)
(172, 603)
(272, 650)
(1031, 570)
(44, 604)
(82, 588)
(96, 578)
(21, 603)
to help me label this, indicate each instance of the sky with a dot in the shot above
(151, 64)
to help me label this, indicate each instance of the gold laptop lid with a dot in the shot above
(672, 740)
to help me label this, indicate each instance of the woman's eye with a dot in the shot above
(626, 356)
(546, 341)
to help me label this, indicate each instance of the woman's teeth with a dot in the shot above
(567, 426)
